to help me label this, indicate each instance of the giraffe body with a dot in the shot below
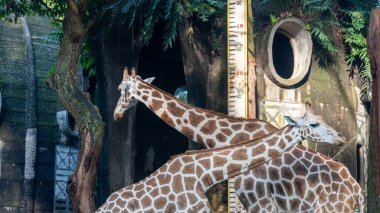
(180, 184)
(212, 129)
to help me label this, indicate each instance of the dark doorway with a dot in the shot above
(283, 57)
(156, 141)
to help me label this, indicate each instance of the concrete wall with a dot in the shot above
(12, 117)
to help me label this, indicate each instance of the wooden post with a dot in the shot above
(373, 46)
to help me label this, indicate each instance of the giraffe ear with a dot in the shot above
(149, 80)
(291, 121)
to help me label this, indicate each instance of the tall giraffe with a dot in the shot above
(180, 184)
(212, 129)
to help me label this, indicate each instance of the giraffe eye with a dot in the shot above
(314, 125)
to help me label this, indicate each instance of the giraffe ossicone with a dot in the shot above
(251, 187)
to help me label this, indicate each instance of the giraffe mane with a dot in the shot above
(193, 152)
(198, 108)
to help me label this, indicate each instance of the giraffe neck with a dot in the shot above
(222, 163)
(208, 128)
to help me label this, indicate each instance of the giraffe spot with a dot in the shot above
(120, 202)
(188, 132)
(113, 197)
(219, 161)
(175, 110)
(281, 202)
(325, 178)
(195, 119)
(188, 169)
(177, 184)
(207, 180)
(265, 202)
(209, 115)
(273, 153)
(273, 173)
(287, 173)
(205, 163)
(167, 119)
(223, 124)
(209, 127)
(236, 127)
(300, 169)
(240, 154)
(243, 198)
(288, 187)
(160, 202)
(279, 189)
(226, 131)
(190, 182)
(146, 201)
(282, 145)
(277, 161)
(294, 204)
(289, 159)
(199, 139)
(170, 208)
(234, 168)
(202, 155)
(272, 141)
(339, 207)
(144, 87)
(164, 178)
(192, 198)
(210, 143)
(249, 127)
(218, 175)
(151, 182)
(308, 155)
(110, 206)
(307, 163)
(156, 94)
(185, 121)
(344, 173)
(305, 207)
(175, 167)
(138, 93)
(178, 121)
(252, 197)
(248, 183)
(145, 98)
(155, 192)
(240, 137)
(299, 185)
(199, 171)
(336, 176)
(297, 153)
(165, 190)
(187, 158)
(221, 138)
(127, 194)
(260, 172)
(138, 187)
(182, 202)
(260, 189)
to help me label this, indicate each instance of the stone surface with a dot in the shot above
(12, 118)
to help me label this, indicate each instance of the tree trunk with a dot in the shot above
(31, 123)
(116, 48)
(373, 46)
(206, 78)
(64, 82)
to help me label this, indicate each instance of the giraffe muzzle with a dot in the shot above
(118, 116)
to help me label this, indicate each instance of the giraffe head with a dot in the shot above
(313, 128)
(128, 88)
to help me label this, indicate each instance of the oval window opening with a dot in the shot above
(283, 58)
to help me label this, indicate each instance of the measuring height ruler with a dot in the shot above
(237, 57)
(237, 16)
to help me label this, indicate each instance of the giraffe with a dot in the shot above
(180, 184)
(212, 129)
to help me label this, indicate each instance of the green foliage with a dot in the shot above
(274, 19)
(87, 61)
(55, 36)
(11, 10)
(154, 11)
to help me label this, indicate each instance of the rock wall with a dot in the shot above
(12, 117)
